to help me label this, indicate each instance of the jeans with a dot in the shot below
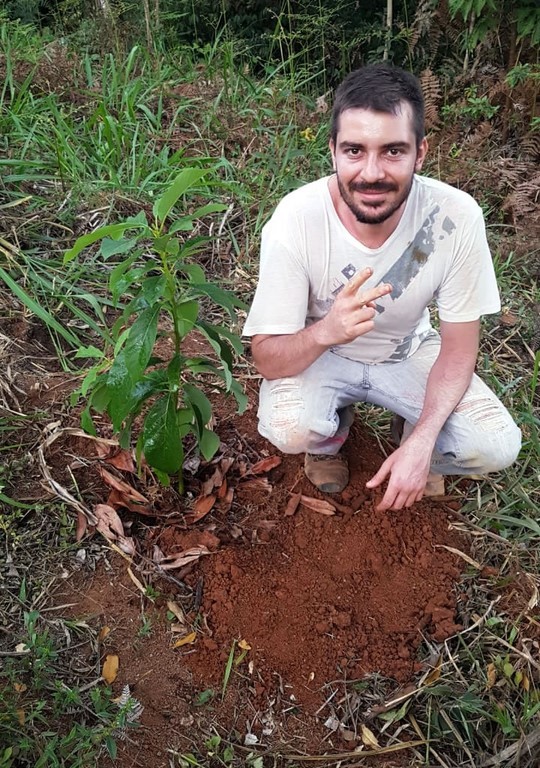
(311, 412)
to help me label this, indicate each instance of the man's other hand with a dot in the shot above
(407, 469)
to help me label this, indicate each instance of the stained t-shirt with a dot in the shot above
(438, 251)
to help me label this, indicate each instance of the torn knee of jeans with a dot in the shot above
(286, 406)
(484, 412)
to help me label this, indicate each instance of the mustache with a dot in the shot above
(378, 186)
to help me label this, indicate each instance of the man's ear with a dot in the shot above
(332, 148)
(421, 155)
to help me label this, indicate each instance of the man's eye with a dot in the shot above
(394, 152)
(353, 151)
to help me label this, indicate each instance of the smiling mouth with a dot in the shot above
(372, 190)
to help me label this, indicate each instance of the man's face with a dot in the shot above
(375, 157)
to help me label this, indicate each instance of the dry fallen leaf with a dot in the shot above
(226, 503)
(201, 507)
(21, 717)
(110, 525)
(292, 504)
(110, 668)
(124, 488)
(435, 672)
(82, 524)
(265, 465)
(318, 505)
(368, 737)
(213, 482)
(183, 558)
(122, 460)
(103, 633)
(491, 676)
(244, 645)
(175, 609)
(187, 640)
(508, 317)
(257, 484)
(20, 687)
(118, 499)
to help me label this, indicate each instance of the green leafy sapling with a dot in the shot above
(159, 288)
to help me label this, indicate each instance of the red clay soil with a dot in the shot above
(319, 597)
(309, 604)
(313, 606)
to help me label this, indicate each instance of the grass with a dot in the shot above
(71, 163)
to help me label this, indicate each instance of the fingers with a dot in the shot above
(358, 279)
(380, 477)
(367, 298)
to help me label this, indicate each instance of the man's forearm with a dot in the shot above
(447, 383)
(277, 357)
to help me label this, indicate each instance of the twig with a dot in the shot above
(514, 751)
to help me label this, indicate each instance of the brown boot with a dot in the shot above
(330, 474)
(400, 430)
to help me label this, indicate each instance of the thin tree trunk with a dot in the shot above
(157, 14)
(389, 22)
(148, 24)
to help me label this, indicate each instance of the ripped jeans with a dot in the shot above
(311, 413)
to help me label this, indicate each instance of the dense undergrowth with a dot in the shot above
(87, 140)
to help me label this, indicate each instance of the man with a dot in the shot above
(349, 265)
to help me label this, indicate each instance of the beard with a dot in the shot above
(379, 211)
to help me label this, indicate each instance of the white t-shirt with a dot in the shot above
(437, 252)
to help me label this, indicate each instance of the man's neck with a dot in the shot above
(371, 235)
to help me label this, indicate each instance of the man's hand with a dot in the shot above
(408, 468)
(352, 313)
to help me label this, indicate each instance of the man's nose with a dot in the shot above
(372, 169)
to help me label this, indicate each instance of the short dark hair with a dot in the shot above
(381, 88)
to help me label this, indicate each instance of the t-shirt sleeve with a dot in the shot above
(469, 289)
(281, 299)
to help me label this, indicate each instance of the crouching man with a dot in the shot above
(350, 264)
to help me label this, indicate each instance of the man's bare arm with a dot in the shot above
(450, 376)
(351, 315)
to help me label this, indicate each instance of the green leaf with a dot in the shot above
(231, 337)
(239, 395)
(110, 230)
(222, 349)
(185, 179)
(209, 443)
(89, 380)
(200, 404)
(193, 271)
(204, 697)
(111, 247)
(225, 299)
(161, 443)
(87, 423)
(121, 277)
(141, 340)
(100, 397)
(110, 745)
(120, 385)
(153, 288)
(174, 369)
(188, 312)
(204, 210)
(89, 352)
(185, 224)
(45, 316)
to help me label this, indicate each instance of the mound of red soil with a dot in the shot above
(318, 597)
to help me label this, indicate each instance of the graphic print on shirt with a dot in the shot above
(401, 274)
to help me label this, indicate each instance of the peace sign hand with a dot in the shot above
(353, 311)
